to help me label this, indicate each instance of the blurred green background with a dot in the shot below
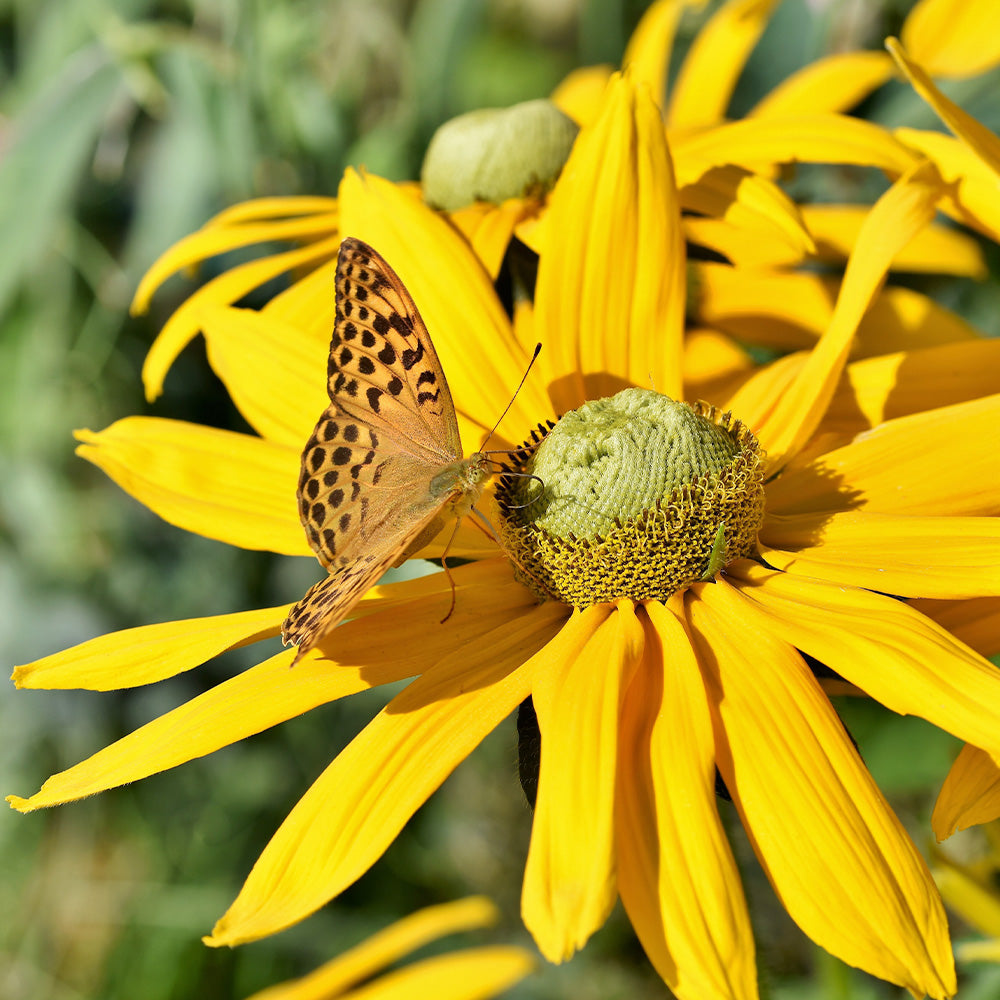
(123, 126)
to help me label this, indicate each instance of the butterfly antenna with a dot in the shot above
(538, 348)
(447, 571)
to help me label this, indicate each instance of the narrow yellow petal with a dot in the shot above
(309, 304)
(613, 209)
(905, 555)
(976, 904)
(714, 365)
(149, 653)
(220, 235)
(232, 487)
(954, 39)
(714, 62)
(833, 84)
(979, 137)
(226, 288)
(354, 810)
(488, 228)
(972, 185)
(975, 622)
(757, 144)
(470, 974)
(569, 878)
(835, 852)
(970, 794)
(897, 216)
(647, 55)
(676, 873)
(249, 703)
(384, 948)
(276, 207)
(580, 93)
(883, 646)
(895, 385)
(938, 249)
(274, 374)
(886, 469)
(454, 294)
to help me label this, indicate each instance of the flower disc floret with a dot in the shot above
(634, 496)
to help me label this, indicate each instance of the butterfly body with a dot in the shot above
(384, 468)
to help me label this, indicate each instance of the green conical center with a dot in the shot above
(497, 153)
(632, 496)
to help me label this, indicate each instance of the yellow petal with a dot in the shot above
(676, 872)
(976, 904)
(970, 794)
(301, 218)
(938, 249)
(975, 622)
(884, 388)
(900, 213)
(647, 55)
(454, 295)
(384, 948)
(488, 228)
(226, 288)
(149, 653)
(569, 878)
(835, 83)
(249, 703)
(615, 269)
(274, 374)
(308, 304)
(749, 203)
(580, 93)
(907, 662)
(354, 809)
(714, 365)
(979, 138)
(232, 487)
(835, 852)
(905, 555)
(714, 62)
(954, 39)
(972, 185)
(758, 143)
(886, 469)
(471, 974)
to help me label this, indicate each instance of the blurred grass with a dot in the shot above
(123, 126)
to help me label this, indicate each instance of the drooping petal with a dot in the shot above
(896, 217)
(985, 144)
(579, 94)
(976, 621)
(398, 940)
(225, 289)
(354, 809)
(260, 221)
(835, 852)
(148, 653)
(647, 55)
(886, 469)
(232, 487)
(875, 390)
(758, 143)
(676, 873)
(970, 794)
(938, 249)
(274, 374)
(833, 84)
(613, 209)
(901, 554)
(569, 877)
(454, 294)
(954, 39)
(883, 646)
(714, 62)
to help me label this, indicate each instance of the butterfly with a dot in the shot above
(383, 470)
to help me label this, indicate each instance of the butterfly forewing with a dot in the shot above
(390, 430)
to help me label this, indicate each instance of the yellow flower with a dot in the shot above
(461, 975)
(638, 701)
